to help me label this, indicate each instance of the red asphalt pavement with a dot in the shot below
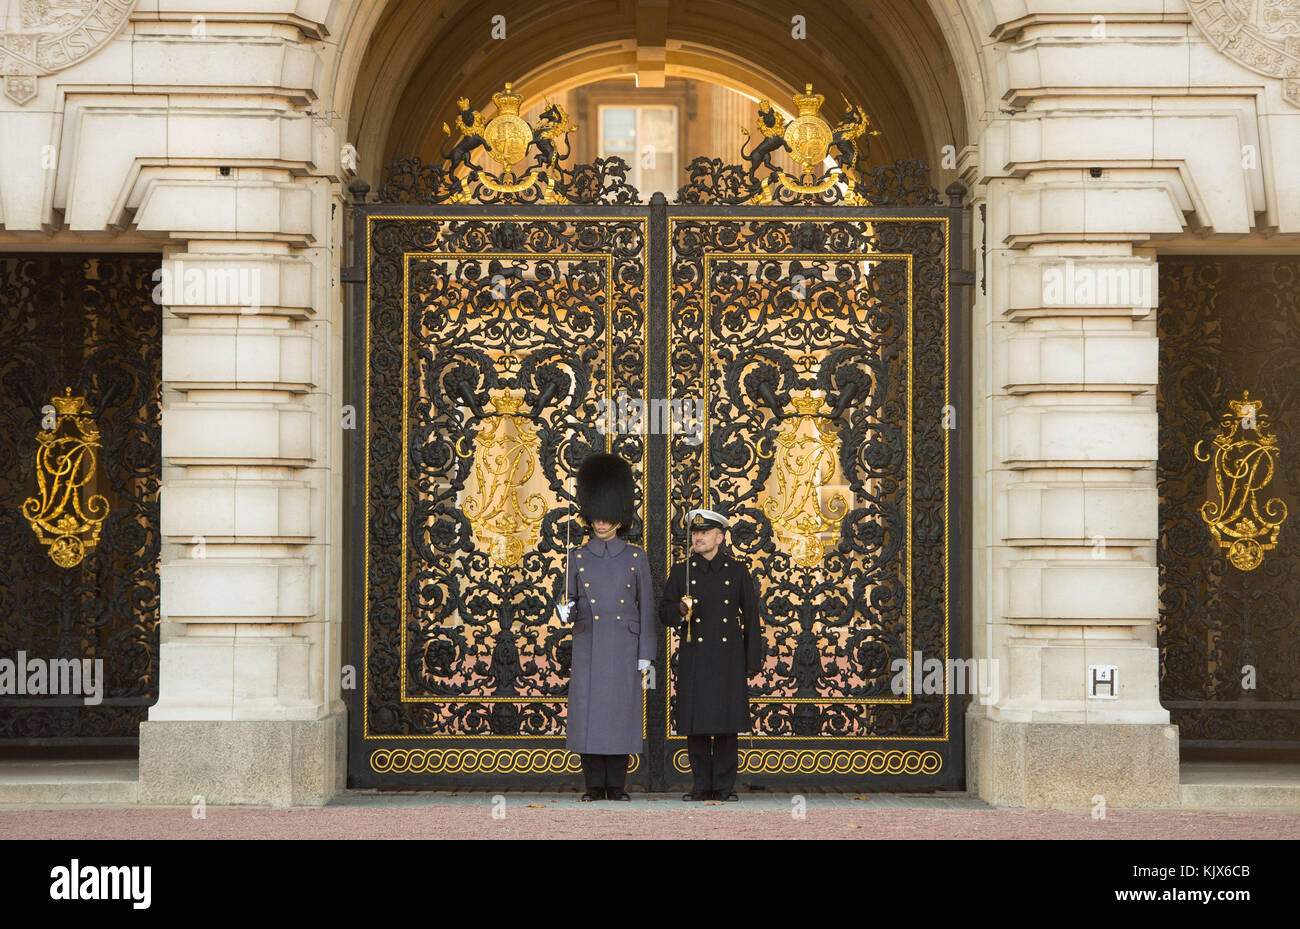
(546, 821)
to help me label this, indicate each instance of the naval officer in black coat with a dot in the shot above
(713, 600)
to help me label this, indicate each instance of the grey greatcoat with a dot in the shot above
(613, 626)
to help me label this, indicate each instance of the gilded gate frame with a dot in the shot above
(909, 762)
(924, 761)
(379, 755)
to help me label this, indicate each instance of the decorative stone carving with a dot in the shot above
(44, 36)
(1262, 35)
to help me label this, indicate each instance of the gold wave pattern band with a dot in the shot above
(792, 761)
(479, 761)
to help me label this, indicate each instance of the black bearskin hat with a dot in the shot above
(607, 490)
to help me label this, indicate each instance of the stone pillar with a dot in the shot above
(1065, 362)
(1066, 410)
(250, 709)
(245, 713)
(1079, 187)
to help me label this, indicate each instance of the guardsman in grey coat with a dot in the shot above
(612, 607)
(714, 599)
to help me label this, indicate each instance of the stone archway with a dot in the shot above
(914, 66)
(417, 63)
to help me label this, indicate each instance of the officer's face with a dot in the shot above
(604, 531)
(706, 541)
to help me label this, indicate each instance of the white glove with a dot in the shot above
(562, 610)
(642, 664)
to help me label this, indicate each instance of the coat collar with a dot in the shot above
(717, 563)
(600, 549)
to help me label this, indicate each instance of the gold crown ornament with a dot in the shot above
(808, 405)
(508, 402)
(809, 103)
(507, 101)
(69, 405)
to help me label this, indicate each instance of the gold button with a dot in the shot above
(695, 580)
(622, 601)
(593, 602)
(724, 638)
(727, 582)
(587, 584)
(726, 601)
(580, 570)
(595, 618)
(634, 554)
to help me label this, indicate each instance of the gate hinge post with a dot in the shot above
(958, 277)
(356, 273)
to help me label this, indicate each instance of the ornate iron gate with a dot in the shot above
(1229, 405)
(80, 468)
(496, 344)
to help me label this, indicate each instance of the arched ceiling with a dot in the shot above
(887, 55)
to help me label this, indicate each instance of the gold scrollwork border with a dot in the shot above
(797, 761)
(479, 761)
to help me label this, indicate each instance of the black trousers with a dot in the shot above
(714, 760)
(604, 772)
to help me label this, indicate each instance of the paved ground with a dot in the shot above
(470, 815)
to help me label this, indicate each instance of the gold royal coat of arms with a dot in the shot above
(506, 138)
(810, 140)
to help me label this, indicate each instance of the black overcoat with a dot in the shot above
(711, 687)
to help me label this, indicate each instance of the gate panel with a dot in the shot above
(490, 343)
(80, 458)
(1229, 652)
(821, 343)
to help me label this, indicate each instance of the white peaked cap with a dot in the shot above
(700, 516)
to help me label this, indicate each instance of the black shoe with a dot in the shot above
(593, 795)
(617, 795)
(703, 795)
(731, 796)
